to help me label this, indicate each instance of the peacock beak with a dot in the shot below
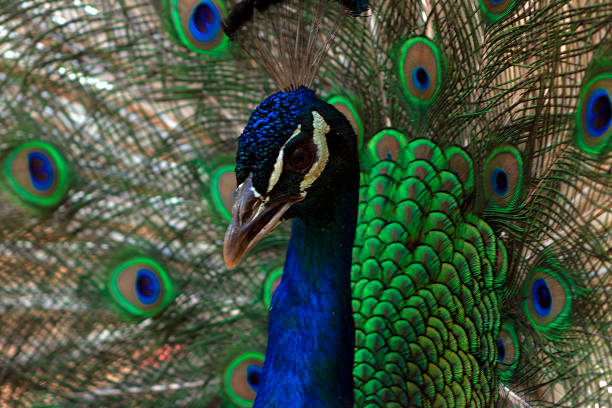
(253, 217)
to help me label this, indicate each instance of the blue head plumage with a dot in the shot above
(297, 159)
(269, 127)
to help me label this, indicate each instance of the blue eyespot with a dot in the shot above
(253, 373)
(541, 297)
(41, 171)
(508, 351)
(499, 181)
(420, 78)
(205, 21)
(147, 286)
(501, 350)
(598, 113)
(497, 1)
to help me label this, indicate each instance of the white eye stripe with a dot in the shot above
(278, 165)
(321, 128)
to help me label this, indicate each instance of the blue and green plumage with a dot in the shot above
(433, 286)
(479, 272)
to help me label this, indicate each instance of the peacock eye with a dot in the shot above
(301, 157)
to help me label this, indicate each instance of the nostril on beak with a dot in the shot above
(249, 207)
(246, 202)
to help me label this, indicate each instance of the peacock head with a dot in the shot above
(293, 156)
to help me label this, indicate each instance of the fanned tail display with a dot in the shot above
(447, 166)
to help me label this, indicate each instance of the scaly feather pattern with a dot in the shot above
(482, 263)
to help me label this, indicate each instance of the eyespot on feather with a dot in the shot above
(386, 145)
(503, 177)
(198, 24)
(508, 351)
(348, 109)
(242, 378)
(141, 286)
(460, 163)
(548, 299)
(495, 10)
(37, 174)
(222, 187)
(270, 285)
(501, 263)
(594, 116)
(420, 70)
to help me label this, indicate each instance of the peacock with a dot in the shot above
(446, 168)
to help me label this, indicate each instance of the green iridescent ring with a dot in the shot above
(185, 12)
(221, 194)
(270, 286)
(386, 145)
(503, 178)
(348, 109)
(49, 196)
(495, 10)
(237, 389)
(508, 349)
(141, 286)
(460, 163)
(420, 70)
(594, 116)
(548, 299)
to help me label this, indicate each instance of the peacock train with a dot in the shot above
(317, 203)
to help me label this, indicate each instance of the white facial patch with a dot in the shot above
(321, 128)
(278, 165)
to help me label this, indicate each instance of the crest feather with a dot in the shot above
(290, 50)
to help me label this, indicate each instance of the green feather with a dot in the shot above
(139, 124)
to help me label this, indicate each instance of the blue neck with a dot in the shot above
(309, 360)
